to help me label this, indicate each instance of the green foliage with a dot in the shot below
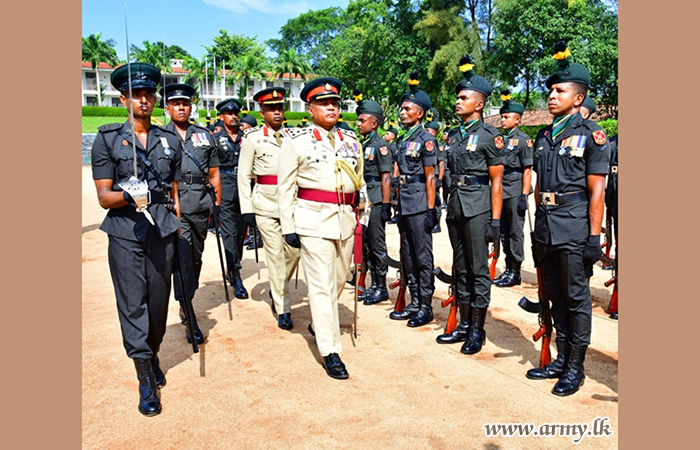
(609, 126)
(227, 48)
(113, 111)
(532, 131)
(290, 62)
(152, 53)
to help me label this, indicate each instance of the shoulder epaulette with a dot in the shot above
(296, 132)
(491, 129)
(166, 130)
(201, 127)
(348, 132)
(250, 130)
(110, 127)
(591, 125)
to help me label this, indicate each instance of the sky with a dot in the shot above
(191, 24)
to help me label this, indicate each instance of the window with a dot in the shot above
(90, 81)
(91, 100)
(116, 102)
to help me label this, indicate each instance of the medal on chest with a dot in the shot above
(573, 146)
(472, 142)
(166, 148)
(413, 149)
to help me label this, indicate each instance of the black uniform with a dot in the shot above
(517, 156)
(416, 149)
(140, 255)
(378, 160)
(232, 225)
(611, 188)
(195, 201)
(469, 156)
(561, 231)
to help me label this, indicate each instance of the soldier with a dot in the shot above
(587, 107)
(572, 158)
(378, 165)
(390, 137)
(219, 124)
(433, 128)
(475, 162)
(320, 176)
(416, 158)
(141, 244)
(228, 143)
(304, 122)
(248, 121)
(445, 175)
(342, 124)
(259, 158)
(611, 201)
(200, 167)
(517, 184)
(210, 126)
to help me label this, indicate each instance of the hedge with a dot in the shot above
(113, 111)
(348, 117)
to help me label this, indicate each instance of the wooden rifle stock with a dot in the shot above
(494, 254)
(545, 319)
(612, 306)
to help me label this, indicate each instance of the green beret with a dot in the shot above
(143, 75)
(471, 81)
(567, 72)
(510, 107)
(230, 104)
(250, 120)
(367, 106)
(434, 125)
(589, 104)
(415, 95)
(393, 130)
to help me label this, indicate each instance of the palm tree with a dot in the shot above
(95, 50)
(290, 62)
(247, 67)
(152, 54)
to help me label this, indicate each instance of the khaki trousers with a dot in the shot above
(282, 260)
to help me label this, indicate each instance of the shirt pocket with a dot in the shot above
(321, 164)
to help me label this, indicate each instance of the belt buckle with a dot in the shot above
(613, 169)
(187, 178)
(548, 198)
(463, 181)
(402, 179)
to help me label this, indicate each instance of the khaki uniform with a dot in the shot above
(259, 156)
(307, 165)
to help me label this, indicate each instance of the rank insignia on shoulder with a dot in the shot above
(529, 143)
(599, 137)
(498, 140)
(429, 146)
(384, 151)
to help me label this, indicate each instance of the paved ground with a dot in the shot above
(253, 385)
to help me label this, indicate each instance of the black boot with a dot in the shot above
(459, 334)
(370, 290)
(379, 293)
(477, 335)
(155, 365)
(573, 376)
(423, 316)
(512, 278)
(555, 368)
(285, 321)
(249, 239)
(509, 267)
(149, 394)
(197, 332)
(239, 291)
(409, 310)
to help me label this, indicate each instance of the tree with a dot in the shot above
(227, 48)
(310, 34)
(247, 67)
(152, 53)
(292, 63)
(95, 50)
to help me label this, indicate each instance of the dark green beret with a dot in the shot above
(567, 72)
(321, 88)
(415, 95)
(510, 107)
(589, 104)
(143, 75)
(370, 107)
(250, 120)
(176, 91)
(393, 130)
(230, 104)
(471, 81)
(434, 125)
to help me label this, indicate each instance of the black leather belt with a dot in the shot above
(372, 179)
(466, 180)
(233, 170)
(558, 199)
(189, 178)
(509, 170)
(407, 179)
(160, 197)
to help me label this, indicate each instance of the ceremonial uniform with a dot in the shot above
(140, 253)
(566, 154)
(320, 176)
(260, 154)
(232, 225)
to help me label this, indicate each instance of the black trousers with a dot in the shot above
(232, 225)
(374, 242)
(471, 258)
(512, 233)
(193, 229)
(566, 285)
(417, 255)
(141, 274)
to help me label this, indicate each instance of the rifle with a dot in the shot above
(606, 260)
(187, 302)
(255, 243)
(544, 314)
(494, 254)
(212, 193)
(451, 298)
(400, 281)
(608, 243)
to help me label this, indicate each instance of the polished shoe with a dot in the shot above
(555, 368)
(249, 240)
(335, 367)
(477, 334)
(157, 372)
(369, 291)
(459, 334)
(501, 277)
(408, 311)
(285, 321)
(422, 317)
(613, 316)
(436, 229)
(311, 330)
(239, 291)
(511, 279)
(149, 393)
(573, 376)
(197, 334)
(250, 246)
(607, 267)
(379, 295)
